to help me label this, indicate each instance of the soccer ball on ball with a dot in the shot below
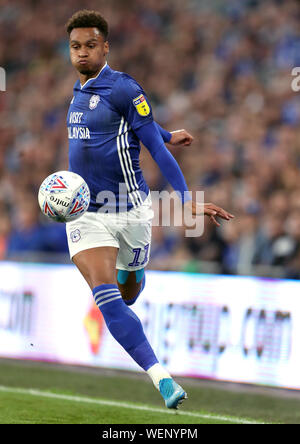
(64, 196)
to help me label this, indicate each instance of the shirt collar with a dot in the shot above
(93, 78)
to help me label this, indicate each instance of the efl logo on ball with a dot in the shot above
(64, 196)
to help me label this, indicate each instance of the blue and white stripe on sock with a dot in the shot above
(106, 294)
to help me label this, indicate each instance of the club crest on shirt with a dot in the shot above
(141, 105)
(94, 100)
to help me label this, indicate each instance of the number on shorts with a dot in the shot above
(146, 248)
(137, 254)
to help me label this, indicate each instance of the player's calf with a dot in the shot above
(131, 284)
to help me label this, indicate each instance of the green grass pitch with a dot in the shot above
(36, 393)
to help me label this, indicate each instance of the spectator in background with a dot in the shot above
(28, 235)
(293, 259)
(220, 69)
(277, 245)
(4, 234)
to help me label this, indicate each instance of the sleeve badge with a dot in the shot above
(141, 105)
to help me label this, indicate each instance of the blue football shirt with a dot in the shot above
(103, 147)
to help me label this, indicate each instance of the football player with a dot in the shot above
(108, 117)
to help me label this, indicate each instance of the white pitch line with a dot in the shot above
(105, 402)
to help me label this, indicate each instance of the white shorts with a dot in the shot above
(129, 231)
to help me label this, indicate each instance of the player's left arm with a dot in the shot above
(129, 98)
(176, 138)
(151, 138)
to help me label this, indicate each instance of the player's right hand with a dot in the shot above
(209, 209)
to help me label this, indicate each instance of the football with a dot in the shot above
(64, 196)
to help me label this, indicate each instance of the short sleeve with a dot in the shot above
(131, 101)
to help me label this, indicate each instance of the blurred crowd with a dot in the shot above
(222, 70)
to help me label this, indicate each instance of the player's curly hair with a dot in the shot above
(88, 19)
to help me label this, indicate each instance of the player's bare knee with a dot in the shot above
(104, 276)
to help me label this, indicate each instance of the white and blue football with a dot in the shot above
(64, 196)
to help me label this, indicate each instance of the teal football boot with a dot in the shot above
(172, 393)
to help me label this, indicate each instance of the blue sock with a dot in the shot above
(124, 325)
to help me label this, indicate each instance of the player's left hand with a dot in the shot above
(209, 209)
(181, 138)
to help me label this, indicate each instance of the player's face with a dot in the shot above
(88, 50)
